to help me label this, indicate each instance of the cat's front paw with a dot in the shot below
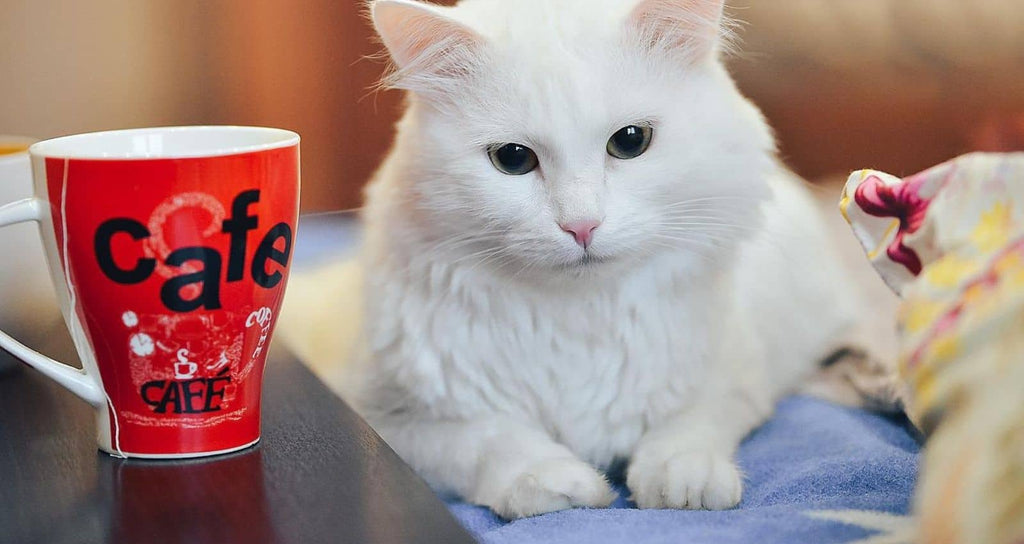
(549, 485)
(664, 477)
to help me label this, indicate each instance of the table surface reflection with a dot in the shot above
(320, 474)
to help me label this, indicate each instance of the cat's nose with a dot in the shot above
(582, 231)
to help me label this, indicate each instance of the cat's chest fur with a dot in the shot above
(594, 367)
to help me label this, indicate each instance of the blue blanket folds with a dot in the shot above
(815, 473)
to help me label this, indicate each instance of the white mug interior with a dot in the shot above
(166, 143)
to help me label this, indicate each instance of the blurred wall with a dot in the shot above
(301, 64)
(897, 85)
(892, 84)
(68, 66)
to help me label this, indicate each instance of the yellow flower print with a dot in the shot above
(944, 348)
(921, 314)
(1010, 269)
(950, 271)
(993, 229)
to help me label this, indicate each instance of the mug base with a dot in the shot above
(173, 456)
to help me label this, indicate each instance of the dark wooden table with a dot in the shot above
(319, 474)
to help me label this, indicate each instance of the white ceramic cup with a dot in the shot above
(169, 250)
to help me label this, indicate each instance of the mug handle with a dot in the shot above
(77, 381)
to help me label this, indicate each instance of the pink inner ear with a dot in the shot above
(691, 24)
(413, 33)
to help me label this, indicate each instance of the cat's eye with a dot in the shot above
(630, 142)
(513, 159)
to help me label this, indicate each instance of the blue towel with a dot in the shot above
(815, 473)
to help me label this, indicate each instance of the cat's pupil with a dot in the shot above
(630, 142)
(629, 138)
(513, 156)
(513, 159)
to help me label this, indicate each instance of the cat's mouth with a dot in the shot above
(587, 260)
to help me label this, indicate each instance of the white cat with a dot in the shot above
(581, 249)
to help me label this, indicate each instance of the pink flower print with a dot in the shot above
(902, 202)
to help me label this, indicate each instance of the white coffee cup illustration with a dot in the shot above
(184, 363)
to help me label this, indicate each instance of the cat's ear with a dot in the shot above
(695, 29)
(424, 42)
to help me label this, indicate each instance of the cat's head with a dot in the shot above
(573, 137)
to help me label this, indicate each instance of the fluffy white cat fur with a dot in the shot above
(499, 357)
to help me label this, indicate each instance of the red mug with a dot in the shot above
(169, 250)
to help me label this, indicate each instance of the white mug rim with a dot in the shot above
(64, 147)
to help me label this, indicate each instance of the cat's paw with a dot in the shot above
(661, 477)
(550, 485)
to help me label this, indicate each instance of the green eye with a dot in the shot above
(630, 142)
(513, 159)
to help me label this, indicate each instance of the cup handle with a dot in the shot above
(77, 381)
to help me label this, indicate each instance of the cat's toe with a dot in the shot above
(690, 480)
(554, 484)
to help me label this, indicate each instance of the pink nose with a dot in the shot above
(582, 231)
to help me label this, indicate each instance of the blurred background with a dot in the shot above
(897, 85)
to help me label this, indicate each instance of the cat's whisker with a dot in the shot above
(709, 208)
(688, 239)
(456, 243)
(465, 239)
(716, 232)
(498, 253)
(348, 212)
(690, 250)
(477, 255)
(720, 197)
(717, 240)
(461, 241)
(528, 267)
(714, 200)
(700, 227)
(498, 260)
(704, 220)
(734, 234)
(715, 212)
(712, 236)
